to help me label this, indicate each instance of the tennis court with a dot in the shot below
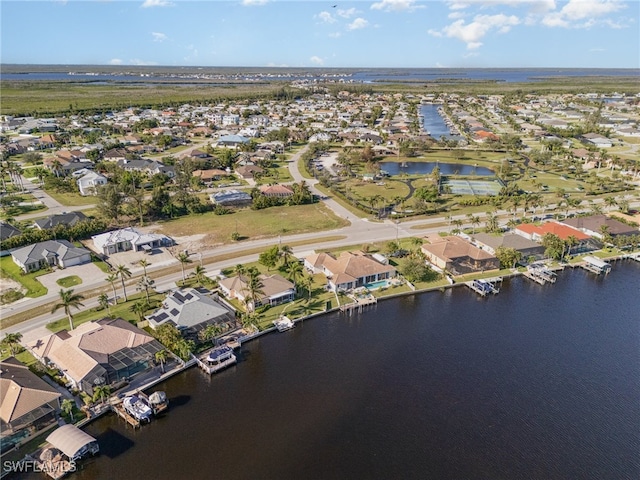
(474, 187)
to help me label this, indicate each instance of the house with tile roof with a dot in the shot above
(277, 190)
(349, 270)
(592, 225)
(191, 310)
(104, 352)
(275, 288)
(457, 255)
(28, 404)
(60, 253)
(490, 243)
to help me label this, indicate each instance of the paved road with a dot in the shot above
(360, 231)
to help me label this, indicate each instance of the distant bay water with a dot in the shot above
(536, 383)
(80, 73)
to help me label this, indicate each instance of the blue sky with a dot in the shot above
(319, 33)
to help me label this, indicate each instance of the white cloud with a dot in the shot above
(335, 35)
(357, 24)
(346, 13)
(251, 3)
(158, 37)
(584, 14)
(156, 3)
(326, 17)
(316, 60)
(115, 61)
(472, 33)
(396, 5)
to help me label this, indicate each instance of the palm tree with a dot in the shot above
(12, 341)
(286, 252)
(254, 287)
(183, 258)
(210, 332)
(103, 301)
(199, 274)
(145, 283)
(161, 357)
(295, 271)
(123, 272)
(68, 299)
(240, 270)
(307, 282)
(112, 280)
(67, 407)
(100, 392)
(144, 263)
(139, 308)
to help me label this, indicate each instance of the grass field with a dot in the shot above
(72, 199)
(252, 224)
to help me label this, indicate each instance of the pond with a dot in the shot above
(425, 168)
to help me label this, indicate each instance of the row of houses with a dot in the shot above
(462, 254)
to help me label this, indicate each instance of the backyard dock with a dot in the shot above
(120, 411)
(216, 359)
(359, 302)
(595, 265)
(484, 287)
(540, 274)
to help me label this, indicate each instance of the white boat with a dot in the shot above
(283, 324)
(137, 408)
(220, 357)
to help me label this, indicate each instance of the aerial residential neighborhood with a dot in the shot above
(141, 242)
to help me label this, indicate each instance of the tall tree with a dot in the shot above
(183, 258)
(12, 342)
(111, 278)
(68, 300)
(123, 272)
(103, 301)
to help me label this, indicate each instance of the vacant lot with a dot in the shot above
(252, 224)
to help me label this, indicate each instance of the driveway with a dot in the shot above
(89, 273)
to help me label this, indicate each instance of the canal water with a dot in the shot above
(537, 382)
(433, 123)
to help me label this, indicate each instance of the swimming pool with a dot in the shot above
(376, 285)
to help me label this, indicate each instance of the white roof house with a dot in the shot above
(88, 183)
(129, 239)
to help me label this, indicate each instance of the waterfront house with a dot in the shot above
(349, 270)
(593, 226)
(490, 243)
(537, 232)
(275, 290)
(457, 255)
(60, 253)
(28, 404)
(129, 239)
(191, 310)
(104, 352)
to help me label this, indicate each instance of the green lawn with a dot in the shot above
(72, 199)
(8, 269)
(69, 281)
(121, 310)
(252, 224)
